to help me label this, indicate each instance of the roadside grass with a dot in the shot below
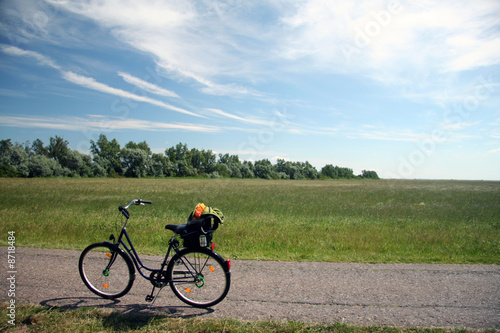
(385, 221)
(37, 318)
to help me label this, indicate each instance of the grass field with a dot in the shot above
(340, 221)
(37, 318)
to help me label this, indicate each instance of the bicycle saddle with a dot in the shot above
(203, 225)
(191, 226)
(177, 228)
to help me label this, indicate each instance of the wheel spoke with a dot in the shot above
(105, 271)
(203, 281)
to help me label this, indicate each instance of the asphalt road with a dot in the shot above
(368, 294)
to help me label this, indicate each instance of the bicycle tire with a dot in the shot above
(199, 277)
(106, 270)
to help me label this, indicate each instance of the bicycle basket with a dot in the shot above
(202, 222)
(198, 233)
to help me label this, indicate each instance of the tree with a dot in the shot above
(161, 166)
(78, 164)
(107, 154)
(310, 172)
(184, 169)
(226, 158)
(13, 160)
(136, 162)
(203, 161)
(232, 166)
(346, 173)
(329, 171)
(295, 170)
(98, 168)
(182, 158)
(223, 170)
(58, 149)
(369, 174)
(209, 161)
(335, 172)
(141, 145)
(43, 166)
(264, 169)
(179, 153)
(246, 170)
(235, 169)
(38, 148)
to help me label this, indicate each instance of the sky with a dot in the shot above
(410, 89)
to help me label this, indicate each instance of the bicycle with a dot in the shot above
(197, 274)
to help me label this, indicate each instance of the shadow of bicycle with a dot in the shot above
(136, 314)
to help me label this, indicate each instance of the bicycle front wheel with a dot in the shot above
(106, 270)
(199, 277)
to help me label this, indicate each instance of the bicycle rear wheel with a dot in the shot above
(106, 270)
(199, 277)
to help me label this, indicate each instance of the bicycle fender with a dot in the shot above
(226, 262)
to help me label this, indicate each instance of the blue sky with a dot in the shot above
(410, 89)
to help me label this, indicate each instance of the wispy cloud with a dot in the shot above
(494, 151)
(147, 86)
(12, 93)
(100, 123)
(208, 86)
(41, 59)
(248, 120)
(219, 49)
(388, 40)
(216, 46)
(91, 83)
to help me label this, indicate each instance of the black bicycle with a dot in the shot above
(197, 274)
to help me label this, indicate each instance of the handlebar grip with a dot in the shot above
(142, 202)
(124, 212)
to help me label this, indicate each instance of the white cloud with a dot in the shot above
(247, 120)
(42, 60)
(224, 48)
(91, 83)
(154, 89)
(12, 93)
(207, 86)
(386, 134)
(388, 40)
(100, 123)
(216, 46)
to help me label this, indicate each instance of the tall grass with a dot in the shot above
(342, 221)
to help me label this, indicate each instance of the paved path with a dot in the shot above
(368, 294)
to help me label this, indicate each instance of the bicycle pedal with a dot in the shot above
(149, 298)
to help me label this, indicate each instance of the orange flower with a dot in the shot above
(199, 210)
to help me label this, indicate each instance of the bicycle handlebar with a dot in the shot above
(124, 210)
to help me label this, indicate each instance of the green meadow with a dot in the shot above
(384, 221)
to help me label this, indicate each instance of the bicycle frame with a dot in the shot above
(130, 249)
(182, 267)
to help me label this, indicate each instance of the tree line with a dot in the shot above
(108, 159)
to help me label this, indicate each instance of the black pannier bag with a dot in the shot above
(197, 233)
(200, 226)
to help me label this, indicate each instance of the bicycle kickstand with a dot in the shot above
(151, 297)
